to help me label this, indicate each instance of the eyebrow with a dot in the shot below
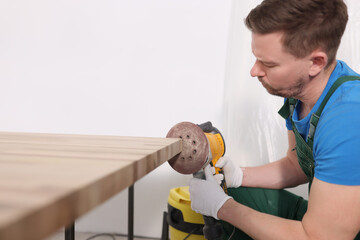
(269, 63)
(264, 62)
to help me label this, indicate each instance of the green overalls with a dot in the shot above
(281, 202)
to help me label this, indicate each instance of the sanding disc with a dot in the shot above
(195, 150)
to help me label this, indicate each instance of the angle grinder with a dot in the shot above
(203, 144)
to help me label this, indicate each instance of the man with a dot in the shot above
(295, 44)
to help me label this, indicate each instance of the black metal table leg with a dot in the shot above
(165, 227)
(131, 213)
(70, 232)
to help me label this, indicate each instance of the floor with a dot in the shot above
(93, 236)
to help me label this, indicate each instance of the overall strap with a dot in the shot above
(288, 108)
(316, 116)
(303, 150)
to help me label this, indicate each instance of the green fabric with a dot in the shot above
(275, 202)
(279, 203)
(304, 151)
(305, 156)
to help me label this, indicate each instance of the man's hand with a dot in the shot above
(233, 174)
(206, 196)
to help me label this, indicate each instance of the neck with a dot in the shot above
(314, 88)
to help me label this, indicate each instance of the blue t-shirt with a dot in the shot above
(336, 147)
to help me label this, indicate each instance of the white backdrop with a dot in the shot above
(114, 67)
(136, 68)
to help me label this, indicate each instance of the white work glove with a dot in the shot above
(206, 196)
(233, 174)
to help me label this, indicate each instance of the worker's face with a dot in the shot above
(280, 73)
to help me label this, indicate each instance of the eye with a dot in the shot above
(269, 65)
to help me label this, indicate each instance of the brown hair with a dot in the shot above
(307, 24)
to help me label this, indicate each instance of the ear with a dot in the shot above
(319, 61)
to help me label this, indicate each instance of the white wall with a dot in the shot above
(110, 67)
(349, 49)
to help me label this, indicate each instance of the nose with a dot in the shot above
(256, 70)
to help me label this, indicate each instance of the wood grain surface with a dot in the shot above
(49, 180)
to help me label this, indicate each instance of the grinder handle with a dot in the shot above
(212, 132)
(212, 228)
(206, 127)
(223, 182)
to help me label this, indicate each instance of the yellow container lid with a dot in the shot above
(180, 198)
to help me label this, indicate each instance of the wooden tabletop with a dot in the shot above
(49, 180)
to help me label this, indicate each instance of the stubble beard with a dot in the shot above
(291, 92)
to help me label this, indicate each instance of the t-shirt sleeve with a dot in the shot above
(337, 141)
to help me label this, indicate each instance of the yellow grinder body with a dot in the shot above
(217, 147)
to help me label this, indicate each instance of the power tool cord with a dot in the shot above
(192, 231)
(231, 235)
(114, 235)
(101, 235)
